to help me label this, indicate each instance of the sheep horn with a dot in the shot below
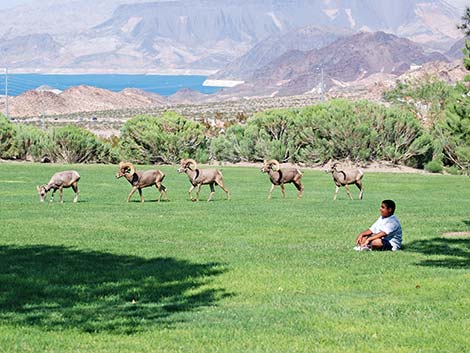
(274, 162)
(125, 165)
(190, 161)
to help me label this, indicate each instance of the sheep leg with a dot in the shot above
(361, 189)
(134, 188)
(60, 194)
(299, 187)
(270, 191)
(75, 189)
(52, 195)
(198, 191)
(283, 190)
(190, 192)
(222, 186)
(336, 193)
(165, 192)
(140, 193)
(348, 191)
(211, 185)
(162, 190)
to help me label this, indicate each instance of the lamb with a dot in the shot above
(199, 177)
(282, 176)
(60, 181)
(140, 180)
(345, 178)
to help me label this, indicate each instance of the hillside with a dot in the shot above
(267, 50)
(201, 35)
(347, 59)
(78, 99)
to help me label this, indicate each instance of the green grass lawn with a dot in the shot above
(246, 275)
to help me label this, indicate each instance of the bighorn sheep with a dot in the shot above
(199, 177)
(280, 177)
(59, 181)
(345, 178)
(140, 180)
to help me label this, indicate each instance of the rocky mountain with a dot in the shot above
(205, 34)
(34, 49)
(455, 51)
(347, 59)
(267, 50)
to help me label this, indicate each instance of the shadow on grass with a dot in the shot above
(58, 288)
(452, 252)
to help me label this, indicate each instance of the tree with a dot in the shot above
(167, 139)
(465, 28)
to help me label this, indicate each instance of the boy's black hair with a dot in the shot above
(390, 204)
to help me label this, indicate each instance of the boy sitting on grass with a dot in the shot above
(384, 234)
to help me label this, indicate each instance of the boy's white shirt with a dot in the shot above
(392, 227)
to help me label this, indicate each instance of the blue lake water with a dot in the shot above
(164, 85)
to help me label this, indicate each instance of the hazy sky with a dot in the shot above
(4, 4)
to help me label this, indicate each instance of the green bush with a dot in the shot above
(452, 170)
(31, 143)
(7, 138)
(167, 139)
(71, 144)
(434, 166)
(359, 131)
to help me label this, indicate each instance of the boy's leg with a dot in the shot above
(381, 244)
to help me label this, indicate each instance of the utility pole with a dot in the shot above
(6, 92)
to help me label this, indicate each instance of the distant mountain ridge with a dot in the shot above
(206, 34)
(267, 50)
(348, 59)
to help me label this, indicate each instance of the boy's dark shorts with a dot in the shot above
(386, 245)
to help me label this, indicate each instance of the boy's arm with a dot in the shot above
(362, 235)
(375, 236)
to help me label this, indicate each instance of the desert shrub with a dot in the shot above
(269, 135)
(71, 144)
(167, 139)
(426, 98)
(31, 143)
(227, 146)
(452, 170)
(400, 137)
(359, 131)
(434, 166)
(7, 138)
